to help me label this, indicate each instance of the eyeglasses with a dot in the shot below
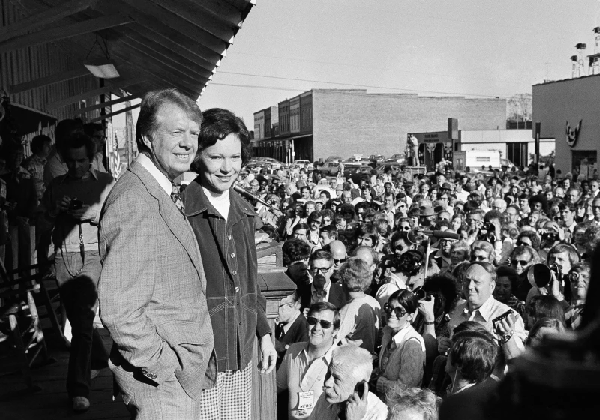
(405, 228)
(339, 260)
(323, 323)
(575, 277)
(319, 270)
(480, 258)
(399, 311)
(522, 263)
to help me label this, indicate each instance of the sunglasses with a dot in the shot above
(339, 260)
(321, 270)
(522, 263)
(399, 311)
(323, 323)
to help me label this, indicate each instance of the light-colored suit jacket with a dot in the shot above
(152, 287)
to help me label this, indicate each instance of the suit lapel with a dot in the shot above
(173, 218)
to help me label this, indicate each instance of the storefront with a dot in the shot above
(568, 111)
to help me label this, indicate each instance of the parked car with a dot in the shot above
(335, 159)
(398, 158)
(264, 162)
(329, 168)
(357, 171)
(376, 159)
(394, 167)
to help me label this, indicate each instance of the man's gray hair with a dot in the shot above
(359, 359)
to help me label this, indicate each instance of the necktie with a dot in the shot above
(176, 197)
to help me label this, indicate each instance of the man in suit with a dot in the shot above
(322, 288)
(152, 286)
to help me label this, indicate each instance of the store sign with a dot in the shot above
(432, 137)
(572, 134)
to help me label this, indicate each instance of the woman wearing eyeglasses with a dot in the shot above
(579, 279)
(402, 354)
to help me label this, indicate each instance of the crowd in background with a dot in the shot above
(410, 288)
(442, 278)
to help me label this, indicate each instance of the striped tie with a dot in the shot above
(176, 197)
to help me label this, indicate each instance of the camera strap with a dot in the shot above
(81, 244)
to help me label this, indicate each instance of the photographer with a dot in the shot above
(72, 204)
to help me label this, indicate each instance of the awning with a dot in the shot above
(151, 43)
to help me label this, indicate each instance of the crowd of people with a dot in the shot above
(414, 292)
(442, 279)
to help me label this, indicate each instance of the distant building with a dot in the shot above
(332, 122)
(516, 146)
(568, 111)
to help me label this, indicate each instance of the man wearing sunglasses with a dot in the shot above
(521, 259)
(304, 367)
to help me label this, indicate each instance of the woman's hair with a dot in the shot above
(474, 354)
(407, 299)
(511, 273)
(356, 275)
(443, 288)
(217, 124)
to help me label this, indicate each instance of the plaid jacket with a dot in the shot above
(152, 286)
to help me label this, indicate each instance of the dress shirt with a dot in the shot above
(484, 315)
(290, 375)
(162, 179)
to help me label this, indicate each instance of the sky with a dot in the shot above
(472, 48)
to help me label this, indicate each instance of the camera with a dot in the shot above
(487, 233)
(550, 237)
(75, 204)
(421, 294)
(409, 263)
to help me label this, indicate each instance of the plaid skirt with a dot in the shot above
(231, 399)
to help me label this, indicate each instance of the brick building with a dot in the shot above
(568, 111)
(347, 122)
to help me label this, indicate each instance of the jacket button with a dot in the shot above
(229, 237)
(233, 255)
(234, 273)
(237, 289)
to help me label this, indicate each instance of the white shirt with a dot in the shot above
(162, 179)
(220, 202)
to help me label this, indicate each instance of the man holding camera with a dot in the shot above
(72, 204)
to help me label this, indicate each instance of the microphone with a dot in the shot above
(242, 191)
(440, 234)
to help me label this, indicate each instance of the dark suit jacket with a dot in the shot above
(152, 286)
(297, 333)
(473, 403)
(336, 296)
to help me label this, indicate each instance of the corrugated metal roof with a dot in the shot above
(152, 43)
